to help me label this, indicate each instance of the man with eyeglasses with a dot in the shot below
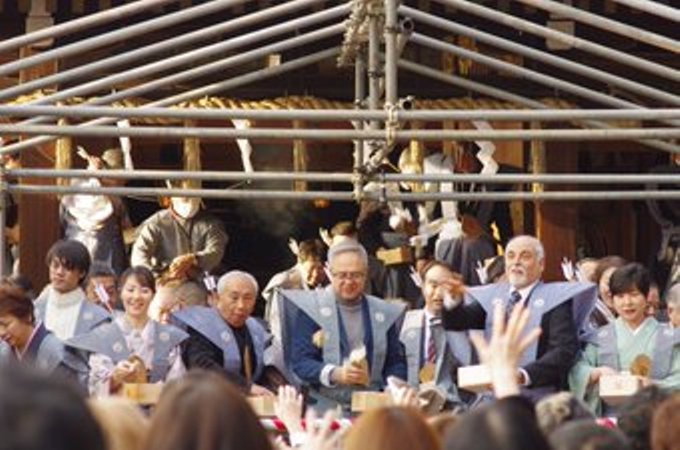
(342, 340)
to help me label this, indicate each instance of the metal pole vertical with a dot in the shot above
(391, 55)
(359, 96)
(374, 74)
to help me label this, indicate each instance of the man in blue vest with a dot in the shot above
(560, 309)
(343, 340)
(224, 337)
(433, 355)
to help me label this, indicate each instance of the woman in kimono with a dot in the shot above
(26, 341)
(631, 342)
(116, 350)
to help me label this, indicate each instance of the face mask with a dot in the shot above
(184, 207)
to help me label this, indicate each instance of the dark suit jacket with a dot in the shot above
(557, 346)
(199, 352)
(307, 359)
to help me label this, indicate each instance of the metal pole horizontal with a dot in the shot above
(542, 56)
(333, 177)
(154, 50)
(221, 86)
(347, 195)
(325, 134)
(510, 97)
(80, 24)
(576, 42)
(126, 33)
(603, 23)
(198, 55)
(655, 8)
(317, 115)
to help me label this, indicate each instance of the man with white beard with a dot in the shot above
(560, 309)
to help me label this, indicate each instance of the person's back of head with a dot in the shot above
(665, 425)
(588, 435)
(557, 409)
(203, 411)
(635, 416)
(39, 412)
(393, 428)
(124, 425)
(509, 424)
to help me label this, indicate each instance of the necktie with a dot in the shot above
(432, 342)
(515, 297)
(247, 364)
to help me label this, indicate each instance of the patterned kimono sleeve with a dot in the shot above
(101, 369)
(672, 380)
(580, 374)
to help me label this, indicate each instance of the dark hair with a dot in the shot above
(508, 424)
(99, 269)
(39, 411)
(431, 264)
(605, 263)
(629, 277)
(15, 302)
(311, 249)
(587, 435)
(203, 411)
(635, 415)
(71, 254)
(665, 430)
(23, 283)
(143, 275)
(345, 228)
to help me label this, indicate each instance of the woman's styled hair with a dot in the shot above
(143, 276)
(15, 302)
(203, 411)
(392, 428)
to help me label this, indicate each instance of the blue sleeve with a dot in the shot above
(395, 362)
(306, 358)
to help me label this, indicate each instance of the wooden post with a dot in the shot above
(38, 214)
(556, 222)
(300, 157)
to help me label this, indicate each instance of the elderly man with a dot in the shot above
(343, 340)
(560, 309)
(434, 355)
(224, 337)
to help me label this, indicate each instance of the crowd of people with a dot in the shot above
(339, 325)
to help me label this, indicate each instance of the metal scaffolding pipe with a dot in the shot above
(392, 29)
(529, 74)
(346, 195)
(122, 34)
(545, 57)
(3, 219)
(195, 55)
(334, 177)
(603, 23)
(119, 61)
(510, 97)
(655, 8)
(325, 134)
(195, 93)
(80, 24)
(359, 95)
(578, 43)
(320, 115)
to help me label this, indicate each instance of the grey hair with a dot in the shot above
(538, 245)
(234, 274)
(347, 246)
(673, 296)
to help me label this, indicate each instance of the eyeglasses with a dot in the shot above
(349, 276)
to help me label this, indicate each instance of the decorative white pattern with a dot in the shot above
(539, 303)
(118, 347)
(379, 317)
(326, 311)
(164, 336)
(225, 336)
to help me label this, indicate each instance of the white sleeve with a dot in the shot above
(99, 381)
